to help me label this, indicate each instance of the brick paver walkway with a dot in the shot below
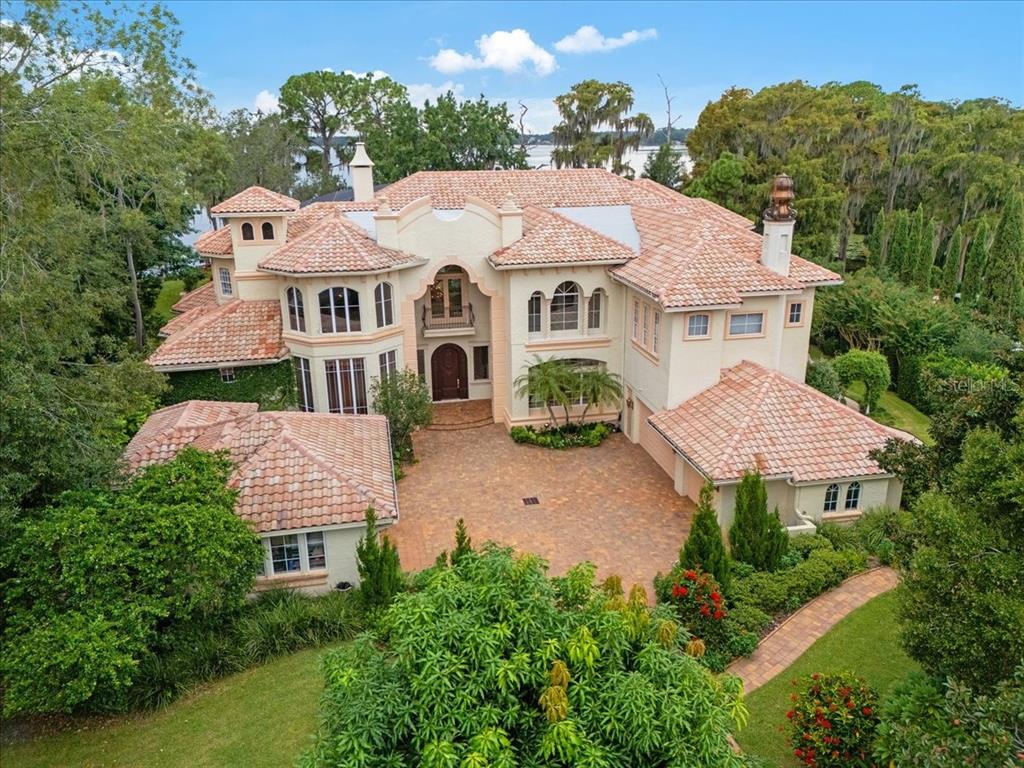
(612, 504)
(790, 639)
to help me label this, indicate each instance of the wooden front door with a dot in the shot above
(449, 373)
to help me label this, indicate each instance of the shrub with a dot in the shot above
(832, 721)
(116, 576)
(484, 666)
(570, 436)
(787, 590)
(870, 367)
(944, 377)
(822, 376)
(756, 537)
(380, 572)
(704, 548)
(886, 533)
(805, 543)
(404, 399)
(839, 536)
(927, 724)
(750, 618)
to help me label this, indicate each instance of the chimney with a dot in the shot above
(779, 218)
(511, 216)
(361, 170)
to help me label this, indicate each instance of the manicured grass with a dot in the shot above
(864, 642)
(895, 412)
(170, 292)
(262, 717)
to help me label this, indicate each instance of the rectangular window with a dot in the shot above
(636, 320)
(227, 375)
(796, 313)
(645, 334)
(698, 326)
(384, 304)
(316, 550)
(284, 553)
(481, 363)
(346, 385)
(388, 363)
(746, 324)
(533, 311)
(421, 364)
(225, 281)
(304, 384)
(594, 311)
(339, 311)
(656, 337)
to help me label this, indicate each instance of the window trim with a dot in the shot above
(384, 304)
(227, 285)
(536, 301)
(487, 362)
(831, 504)
(789, 314)
(347, 306)
(760, 334)
(296, 309)
(387, 363)
(563, 291)
(335, 385)
(303, 544)
(252, 232)
(635, 332)
(227, 375)
(686, 328)
(601, 298)
(304, 384)
(263, 231)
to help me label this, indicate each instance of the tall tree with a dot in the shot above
(320, 105)
(975, 265)
(666, 167)
(925, 256)
(878, 241)
(900, 248)
(1003, 283)
(596, 128)
(263, 151)
(951, 266)
(468, 135)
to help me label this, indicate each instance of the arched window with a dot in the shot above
(339, 310)
(533, 312)
(267, 230)
(382, 297)
(565, 307)
(831, 498)
(852, 496)
(594, 309)
(247, 233)
(296, 312)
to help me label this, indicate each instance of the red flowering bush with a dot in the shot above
(832, 721)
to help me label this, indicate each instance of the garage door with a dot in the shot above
(653, 443)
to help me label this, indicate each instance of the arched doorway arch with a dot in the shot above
(449, 373)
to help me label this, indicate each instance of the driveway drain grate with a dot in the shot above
(530, 501)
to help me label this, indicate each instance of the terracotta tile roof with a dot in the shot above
(256, 200)
(546, 189)
(695, 207)
(691, 262)
(203, 296)
(236, 332)
(214, 242)
(756, 418)
(293, 470)
(334, 244)
(550, 238)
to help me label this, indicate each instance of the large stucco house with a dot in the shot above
(468, 277)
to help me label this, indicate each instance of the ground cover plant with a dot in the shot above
(569, 436)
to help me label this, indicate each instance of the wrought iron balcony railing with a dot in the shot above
(455, 318)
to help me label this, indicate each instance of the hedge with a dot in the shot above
(272, 386)
(786, 590)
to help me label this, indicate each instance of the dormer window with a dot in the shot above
(267, 230)
(247, 231)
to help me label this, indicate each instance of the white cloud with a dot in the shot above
(588, 39)
(420, 92)
(509, 51)
(266, 102)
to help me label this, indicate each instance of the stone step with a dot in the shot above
(454, 427)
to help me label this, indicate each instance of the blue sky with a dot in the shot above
(533, 51)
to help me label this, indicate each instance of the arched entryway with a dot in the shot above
(449, 373)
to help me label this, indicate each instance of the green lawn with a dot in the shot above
(261, 717)
(170, 292)
(863, 643)
(895, 412)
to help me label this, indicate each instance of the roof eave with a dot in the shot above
(557, 264)
(210, 366)
(346, 273)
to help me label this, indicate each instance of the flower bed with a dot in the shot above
(559, 438)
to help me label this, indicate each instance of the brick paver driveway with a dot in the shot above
(612, 505)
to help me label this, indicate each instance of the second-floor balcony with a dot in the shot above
(448, 320)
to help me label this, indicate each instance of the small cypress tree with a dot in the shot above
(380, 572)
(750, 520)
(925, 256)
(704, 548)
(951, 267)
(878, 240)
(899, 243)
(974, 266)
(915, 240)
(1003, 283)
(463, 544)
(777, 541)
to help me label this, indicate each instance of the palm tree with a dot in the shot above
(598, 387)
(547, 381)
